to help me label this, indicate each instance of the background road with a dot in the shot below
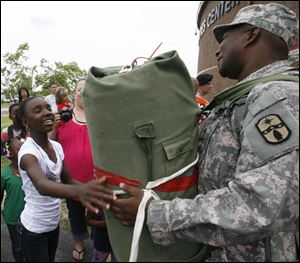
(63, 253)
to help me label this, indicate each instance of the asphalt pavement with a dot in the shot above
(63, 253)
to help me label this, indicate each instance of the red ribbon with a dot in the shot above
(181, 183)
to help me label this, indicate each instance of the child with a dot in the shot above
(64, 105)
(15, 129)
(62, 99)
(99, 235)
(46, 179)
(11, 184)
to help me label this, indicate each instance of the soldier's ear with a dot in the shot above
(252, 35)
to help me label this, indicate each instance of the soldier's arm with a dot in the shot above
(262, 196)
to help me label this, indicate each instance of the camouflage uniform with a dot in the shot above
(273, 17)
(247, 208)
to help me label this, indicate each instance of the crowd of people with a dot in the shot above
(32, 195)
(247, 205)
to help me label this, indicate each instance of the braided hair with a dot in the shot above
(6, 151)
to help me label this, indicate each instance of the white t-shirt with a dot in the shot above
(41, 213)
(52, 101)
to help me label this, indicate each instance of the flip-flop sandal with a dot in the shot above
(80, 258)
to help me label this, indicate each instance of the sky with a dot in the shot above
(100, 33)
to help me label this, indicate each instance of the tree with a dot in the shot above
(63, 75)
(15, 74)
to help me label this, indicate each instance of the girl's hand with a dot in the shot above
(94, 194)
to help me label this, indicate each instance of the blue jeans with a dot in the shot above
(77, 220)
(16, 246)
(38, 247)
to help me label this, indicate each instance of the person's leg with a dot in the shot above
(16, 245)
(53, 238)
(99, 256)
(78, 227)
(34, 246)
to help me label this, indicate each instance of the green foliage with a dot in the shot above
(15, 74)
(63, 75)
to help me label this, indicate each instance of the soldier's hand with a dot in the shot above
(125, 209)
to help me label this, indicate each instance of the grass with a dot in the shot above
(64, 220)
(5, 122)
(5, 105)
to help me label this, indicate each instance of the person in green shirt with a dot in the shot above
(11, 184)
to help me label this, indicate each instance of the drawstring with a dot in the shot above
(140, 217)
(139, 222)
(133, 64)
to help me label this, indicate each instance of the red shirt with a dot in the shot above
(61, 106)
(75, 141)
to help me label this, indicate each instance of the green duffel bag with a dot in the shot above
(143, 126)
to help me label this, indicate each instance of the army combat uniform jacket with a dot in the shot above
(247, 208)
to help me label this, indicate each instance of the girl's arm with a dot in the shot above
(91, 194)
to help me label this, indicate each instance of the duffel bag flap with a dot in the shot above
(143, 126)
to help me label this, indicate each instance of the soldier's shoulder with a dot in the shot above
(280, 89)
(271, 125)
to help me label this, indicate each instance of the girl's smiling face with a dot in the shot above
(38, 115)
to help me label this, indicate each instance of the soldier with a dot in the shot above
(205, 83)
(247, 208)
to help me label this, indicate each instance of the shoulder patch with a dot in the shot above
(273, 129)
